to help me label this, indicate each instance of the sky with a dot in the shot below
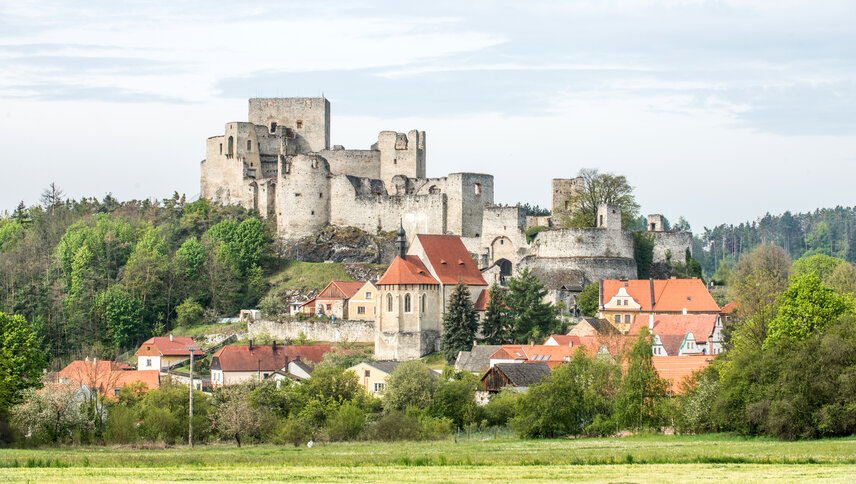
(717, 111)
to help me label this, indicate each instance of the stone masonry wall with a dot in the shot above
(359, 163)
(314, 113)
(583, 242)
(332, 331)
(675, 243)
(580, 271)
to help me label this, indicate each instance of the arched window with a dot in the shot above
(389, 303)
(230, 146)
(422, 302)
(249, 145)
(407, 308)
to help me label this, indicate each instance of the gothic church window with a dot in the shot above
(249, 145)
(230, 147)
(389, 303)
(407, 308)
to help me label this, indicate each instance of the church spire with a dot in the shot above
(401, 241)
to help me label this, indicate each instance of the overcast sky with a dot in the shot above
(715, 110)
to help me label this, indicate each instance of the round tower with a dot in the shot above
(303, 195)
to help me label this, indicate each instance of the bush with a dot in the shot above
(395, 425)
(189, 312)
(121, 425)
(500, 409)
(271, 306)
(293, 430)
(348, 423)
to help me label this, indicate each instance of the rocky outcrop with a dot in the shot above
(344, 244)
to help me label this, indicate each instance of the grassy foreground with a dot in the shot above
(636, 459)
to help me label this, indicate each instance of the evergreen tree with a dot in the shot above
(459, 324)
(496, 328)
(531, 317)
(641, 401)
(21, 215)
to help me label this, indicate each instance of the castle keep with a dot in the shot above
(280, 163)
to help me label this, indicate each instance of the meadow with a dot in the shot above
(647, 458)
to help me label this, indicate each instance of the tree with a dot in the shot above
(843, 279)
(599, 188)
(570, 399)
(234, 416)
(455, 398)
(756, 282)
(589, 299)
(641, 401)
(643, 252)
(21, 215)
(531, 316)
(682, 225)
(51, 413)
(820, 264)
(51, 197)
(411, 384)
(460, 323)
(189, 312)
(21, 360)
(495, 327)
(121, 313)
(805, 308)
(271, 306)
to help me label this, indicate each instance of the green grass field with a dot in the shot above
(630, 459)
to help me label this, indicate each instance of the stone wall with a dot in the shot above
(674, 243)
(359, 163)
(583, 242)
(332, 331)
(579, 271)
(502, 233)
(401, 154)
(303, 196)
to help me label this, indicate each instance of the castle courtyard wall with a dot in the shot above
(333, 331)
(583, 242)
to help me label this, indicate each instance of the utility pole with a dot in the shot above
(190, 421)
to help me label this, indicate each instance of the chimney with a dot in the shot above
(251, 345)
(651, 322)
(171, 337)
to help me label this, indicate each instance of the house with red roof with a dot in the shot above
(164, 352)
(414, 292)
(239, 363)
(682, 334)
(621, 300)
(333, 299)
(106, 377)
(676, 370)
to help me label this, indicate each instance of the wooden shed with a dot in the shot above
(520, 376)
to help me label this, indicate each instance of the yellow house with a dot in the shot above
(372, 375)
(363, 305)
(163, 352)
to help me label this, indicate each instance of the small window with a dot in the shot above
(313, 212)
(477, 188)
(395, 161)
(148, 362)
(368, 373)
(601, 220)
(115, 392)
(378, 387)
(296, 194)
(221, 148)
(273, 127)
(422, 302)
(299, 124)
(249, 145)
(361, 310)
(368, 294)
(329, 307)
(389, 303)
(320, 195)
(617, 319)
(407, 303)
(626, 319)
(501, 242)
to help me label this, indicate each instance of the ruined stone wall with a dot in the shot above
(583, 242)
(222, 176)
(539, 221)
(302, 196)
(309, 118)
(360, 163)
(332, 331)
(419, 214)
(562, 190)
(674, 243)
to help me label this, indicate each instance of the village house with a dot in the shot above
(621, 300)
(164, 352)
(593, 327)
(238, 363)
(106, 377)
(372, 375)
(552, 355)
(332, 301)
(682, 334)
(477, 360)
(519, 377)
(363, 305)
(413, 293)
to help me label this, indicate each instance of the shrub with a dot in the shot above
(500, 409)
(121, 425)
(189, 312)
(271, 306)
(395, 425)
(293, 430)
(348, 423)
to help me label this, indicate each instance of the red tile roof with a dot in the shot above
(162, 346)
(483, 299)
(265, 358)
(107, 375)
(410, 271)
(450, 259)
(700, 325)
(552, 355)
(673, 295)
(729, 308)
(561, 339)
(675, 369)
(340, 290)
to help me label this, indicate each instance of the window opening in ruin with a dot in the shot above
(389, 303)
(422, 302)
(313, 212)
(249, 145)
(296, 194)
(601, 220)
(653, 227)
(221, 148)
(230, 147)
(477, 188)
(320, 195)
(395, 161)
(299, 124)
(407, 303)
(567, 204)
(273, 127)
